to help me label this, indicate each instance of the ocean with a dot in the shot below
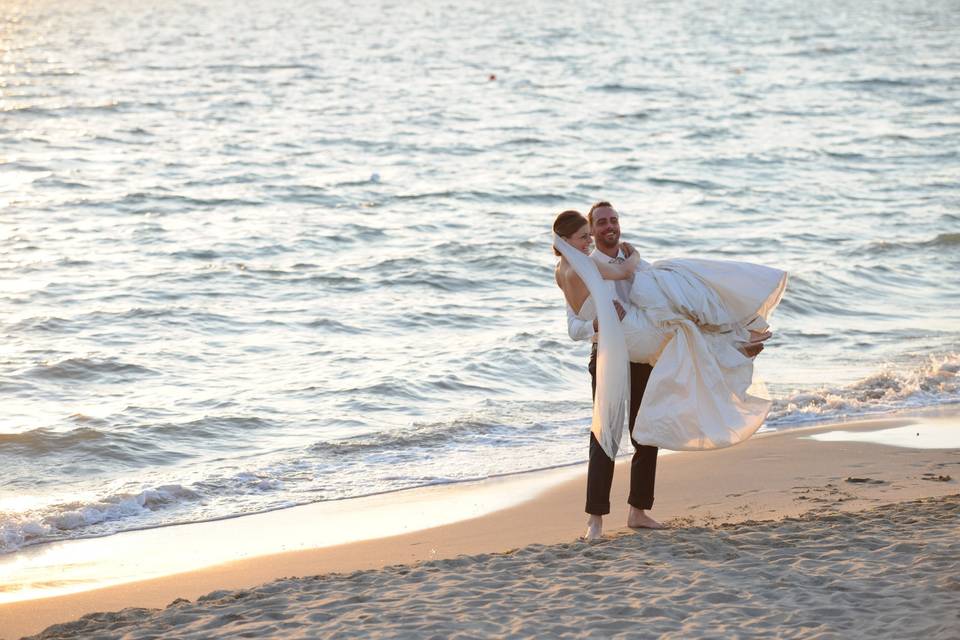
(260, 255)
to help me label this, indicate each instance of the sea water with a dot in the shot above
(257, 255)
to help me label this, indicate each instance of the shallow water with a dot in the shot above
(254, 258)
(945, 435)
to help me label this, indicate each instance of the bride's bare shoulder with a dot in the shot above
(564, 274)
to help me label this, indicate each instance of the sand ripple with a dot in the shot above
(885, 573)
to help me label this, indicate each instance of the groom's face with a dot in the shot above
(606, 227)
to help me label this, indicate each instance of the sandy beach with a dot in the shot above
(784, 536)
(284, 353)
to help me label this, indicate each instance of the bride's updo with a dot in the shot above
(567, 224)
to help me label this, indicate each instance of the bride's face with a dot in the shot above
(581, 239)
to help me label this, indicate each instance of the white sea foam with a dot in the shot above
(60, 520)
(893, 388)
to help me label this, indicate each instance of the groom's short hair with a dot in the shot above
(598, 205)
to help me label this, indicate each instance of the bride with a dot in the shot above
(698, 322)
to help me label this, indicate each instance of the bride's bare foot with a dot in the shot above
(754, 346)
(751, 349)
(594, 528)
(638, 519)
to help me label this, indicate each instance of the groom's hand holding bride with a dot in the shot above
(620, 313)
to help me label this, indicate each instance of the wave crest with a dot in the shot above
(935, 382)
(942, 241)
(57, 521)
(88, 369)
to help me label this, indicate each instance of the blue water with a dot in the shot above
(256, 256)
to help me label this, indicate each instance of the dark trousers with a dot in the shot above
(643, 467)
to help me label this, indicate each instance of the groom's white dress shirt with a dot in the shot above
(580, 329)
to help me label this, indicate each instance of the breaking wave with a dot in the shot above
(935, 382)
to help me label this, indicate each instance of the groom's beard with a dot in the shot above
(602, 243)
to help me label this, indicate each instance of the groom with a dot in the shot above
(605, 228)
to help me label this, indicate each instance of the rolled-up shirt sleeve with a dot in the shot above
(577, 328)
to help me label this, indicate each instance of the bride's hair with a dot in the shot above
(567, 224)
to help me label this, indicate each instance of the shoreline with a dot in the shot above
(800, 476)
(904, 415)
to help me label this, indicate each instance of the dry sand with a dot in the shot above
(892, 572)
(858, 540)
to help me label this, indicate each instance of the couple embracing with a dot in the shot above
(674, 343)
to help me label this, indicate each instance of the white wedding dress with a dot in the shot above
(687, 318)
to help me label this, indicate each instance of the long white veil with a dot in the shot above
(612, 397)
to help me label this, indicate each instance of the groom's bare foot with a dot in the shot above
(760, 336)
(638, 519)
(594, 528)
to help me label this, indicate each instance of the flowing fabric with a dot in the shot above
(701, 394)
(613, 364)
(686, 317)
